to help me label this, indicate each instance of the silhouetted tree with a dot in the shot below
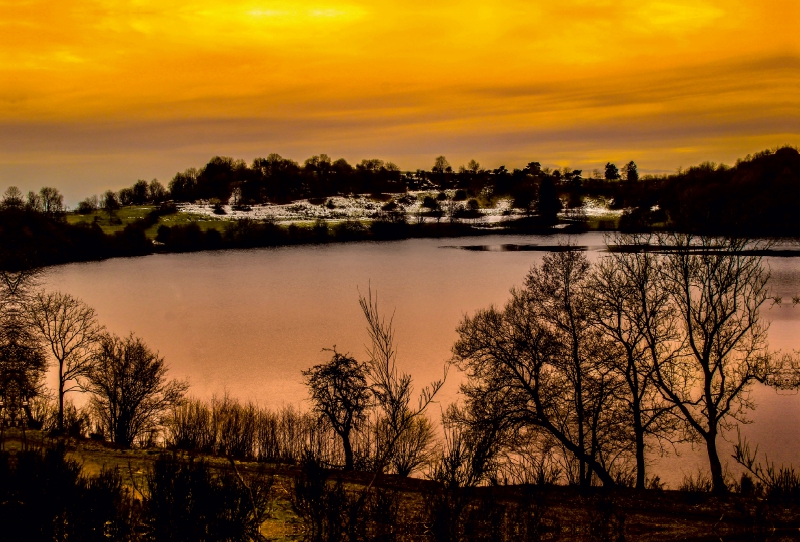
(441, 165)
(538, 365)
(130, 390)
(611, 173)
(126, 197)
(12, 198)
(341, 394)
(404, 433)
(631, 172)
(156, 191)
(52, 200)
(88, 205)
(34, 202)
(139, 192)
(717, 289)
(70, 329)
(110, 202)
(22, 361)
(633, 309)
(183, 186)
(549, 204)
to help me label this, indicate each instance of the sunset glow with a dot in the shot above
(94, 94)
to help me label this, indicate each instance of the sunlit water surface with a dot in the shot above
(247, 322)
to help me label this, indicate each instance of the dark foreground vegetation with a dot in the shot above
(758, 197)
(155, 495)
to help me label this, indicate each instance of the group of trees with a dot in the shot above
(47, 200)
(127, 382)
(589, 366)
(759, 196)
(140, 193)
(279, 180)
(276, 179)
(587, 369)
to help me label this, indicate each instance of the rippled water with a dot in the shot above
(247, 322)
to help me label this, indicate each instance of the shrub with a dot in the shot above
(185, 500)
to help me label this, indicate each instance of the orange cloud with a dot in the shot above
(509, 80)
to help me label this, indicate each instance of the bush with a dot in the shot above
(86, 207)
(43, 496)
(226, 427)
(332, 511)
(185, 500)
(698, 483)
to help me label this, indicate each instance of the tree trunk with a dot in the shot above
(60, 398)
(717, 479)
(639, 434)
(348, 452)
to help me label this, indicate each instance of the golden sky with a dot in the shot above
(97, 93)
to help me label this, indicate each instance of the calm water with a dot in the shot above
(247, 322)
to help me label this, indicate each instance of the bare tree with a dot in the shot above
(69, 327)
(12, 198)
(717, 286)
(22, 361)
(340, 393)
(537, 365)
(411, 449)
(404, 432)
(110, 203)
(441, 165)
(52, 201)
(130, 390)
(634, 311)
(156, 191)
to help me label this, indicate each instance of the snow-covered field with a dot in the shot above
(339, 208)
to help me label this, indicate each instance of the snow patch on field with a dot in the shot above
(362, 207)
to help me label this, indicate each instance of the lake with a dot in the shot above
(246, 322)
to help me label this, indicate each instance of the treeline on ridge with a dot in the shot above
(757, 196)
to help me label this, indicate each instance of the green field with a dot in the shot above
(130, 214)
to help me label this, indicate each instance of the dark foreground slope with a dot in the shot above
(92, 491)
